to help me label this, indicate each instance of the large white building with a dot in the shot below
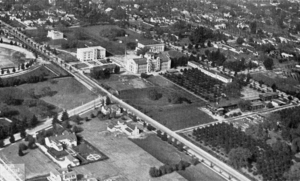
(153, 46)
(150, 63)
(91, 53)
(55, 35)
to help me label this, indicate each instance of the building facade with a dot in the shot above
(150, 63)
(55, 35)
(91, 53)
(153, 47)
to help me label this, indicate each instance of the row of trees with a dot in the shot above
(243, 150)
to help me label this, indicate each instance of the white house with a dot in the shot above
(56, 141)
(91, 53)
(285, 55)
(130, 130)
(55, 35)
(220, 26)
(62, 175)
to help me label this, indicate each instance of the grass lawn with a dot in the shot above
(10, 57)
(57, 69)
(70, 93)
(174, 116)
(36, 163)
(41, 109)
(124, 82)
(285, 84)
(126, 161)
(93, 32)
(168, 154)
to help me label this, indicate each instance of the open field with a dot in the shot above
(10, 58)
(168, 154)
(93, 32)
(36, 162)
(174, 116)
(124, 82)
(57, 69)
(69, 92)
(30, 104)
(285, 84)
(126, 161)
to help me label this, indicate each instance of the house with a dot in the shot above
(62, 175)
(151, 62)
(55, 35)
(56, 141)
(121, 126)
(91, 53)
(220, 26)
(268, 96)
(257, 105)
(105, 110)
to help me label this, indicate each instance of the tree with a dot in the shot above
(270, 105)
(31, 142)
(12, 138)
(34, 121)
(154, 172)
(244, 105)
(154, 95)
(253, 27)
(274, 87)
(281, 147)
(1, 143)
(256, 131)
(238, 157)
(23, 132)
(239, 40)
(131, 45)
(142, 51)
(117, 70)
(65, 116)
(268, 63)
(293, 173)
(271, 123)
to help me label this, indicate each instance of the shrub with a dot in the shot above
(154, 95)
(154, 172)
(1, 143)
(12, 138)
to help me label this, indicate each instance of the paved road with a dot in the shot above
(91, 84)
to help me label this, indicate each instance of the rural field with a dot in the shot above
(36, 163)
(168, 154)
(68, 92)
(285, 84)
(174, 116)
(126, 161)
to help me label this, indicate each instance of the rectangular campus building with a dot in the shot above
(91, 53)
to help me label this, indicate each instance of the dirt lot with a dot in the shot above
(36, 162)
(70, 93)
(126, 161)
(168, 154)
(174, 116)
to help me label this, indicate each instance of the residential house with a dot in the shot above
(55, 35)
(268, 96)
(257, 105)
(62, 175)
(56, 141)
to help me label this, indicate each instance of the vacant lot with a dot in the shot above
(174, 116)
(126, 161)
(124, 82)
(168, 154)
(285, 84)
(36, 162)
(69, 92)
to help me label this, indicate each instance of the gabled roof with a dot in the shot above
(65, 135)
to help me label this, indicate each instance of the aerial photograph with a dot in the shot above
(149, 90)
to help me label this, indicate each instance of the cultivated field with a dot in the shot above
(69, 92)
(36, 162)
(168, 154)
(126, 161)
